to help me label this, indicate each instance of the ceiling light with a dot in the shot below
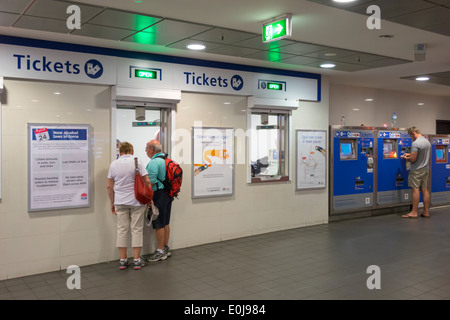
(368, 100)
(423, 78)
(420, 104)
(196, 46)
(330, 54)
(343, 1)
(327, 65)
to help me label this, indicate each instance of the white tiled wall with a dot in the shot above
(38, 242)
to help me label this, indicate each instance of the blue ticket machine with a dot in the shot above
(352, 169)
(392, 171)
(440, 170)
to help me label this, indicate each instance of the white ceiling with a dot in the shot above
(317, 29)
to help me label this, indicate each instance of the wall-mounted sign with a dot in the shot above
(277, 28)
(58, 166)
(311, 159)
(146, 74)
(213, 159)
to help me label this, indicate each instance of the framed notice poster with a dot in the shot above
(311, 159)
(213, 162)
(58, 166)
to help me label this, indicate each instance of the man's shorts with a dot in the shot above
(418, 178)
(164, 204)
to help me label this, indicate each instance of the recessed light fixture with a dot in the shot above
(343, 1)
(327, 65)
(330, 54)
(420, 104)
(57, 93)
(422, 78)
(196, 46)
(355, 109)
(368, 100)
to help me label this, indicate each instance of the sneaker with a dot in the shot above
(167, 251)
(138, 264)
(123, 264)
(157, 256)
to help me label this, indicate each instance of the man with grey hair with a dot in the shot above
(418, 174)
(156, 169)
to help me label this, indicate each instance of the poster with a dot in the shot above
(58, 166)
(311, 159)
(213, 162)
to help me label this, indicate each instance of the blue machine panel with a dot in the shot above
(440, 170)
(352, 169)
(392, 174)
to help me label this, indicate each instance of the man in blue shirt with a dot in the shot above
(156, 169)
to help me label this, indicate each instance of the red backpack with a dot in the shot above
(174, 177)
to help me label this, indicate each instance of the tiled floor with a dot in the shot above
(319, 262)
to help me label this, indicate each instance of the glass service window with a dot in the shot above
(269, 146)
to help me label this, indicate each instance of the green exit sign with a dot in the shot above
(277, 28)
(146, 74)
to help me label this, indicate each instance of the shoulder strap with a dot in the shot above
(136, 165)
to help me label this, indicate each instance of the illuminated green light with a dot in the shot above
(274, 86)
(146, 74)
(277, 29)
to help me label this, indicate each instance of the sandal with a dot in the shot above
(424, 216)
(409, 216)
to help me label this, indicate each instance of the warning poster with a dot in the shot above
(58, 166)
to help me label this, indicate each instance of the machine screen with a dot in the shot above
(441, 154)
(348, 150)
(389, 149)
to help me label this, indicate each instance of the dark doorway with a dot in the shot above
(442, 126)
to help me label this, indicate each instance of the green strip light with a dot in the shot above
(274, 86)
(145, 74)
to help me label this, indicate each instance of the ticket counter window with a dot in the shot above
(269, 141)
(390, 149)
(151, 124)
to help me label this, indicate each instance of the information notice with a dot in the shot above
(213, 158)
(311, 159)
(58, 162)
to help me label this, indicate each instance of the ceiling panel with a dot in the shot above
(95, 31)
(113, 24)
(301, 48)
(124, 20)
(14, 6)
(58, 10)
(182, 44)
(7, 19)
(43, 24)
(392, 8)
(224, 36)
(234, 51)
(167, 32)
(425, 18)
(256, 43)
(430, 15)
(442, 78)
(272, 56)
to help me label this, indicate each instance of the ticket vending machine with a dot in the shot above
(440, 170)
(392, 174)
(352, 169)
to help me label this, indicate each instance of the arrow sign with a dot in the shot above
(277, 28)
